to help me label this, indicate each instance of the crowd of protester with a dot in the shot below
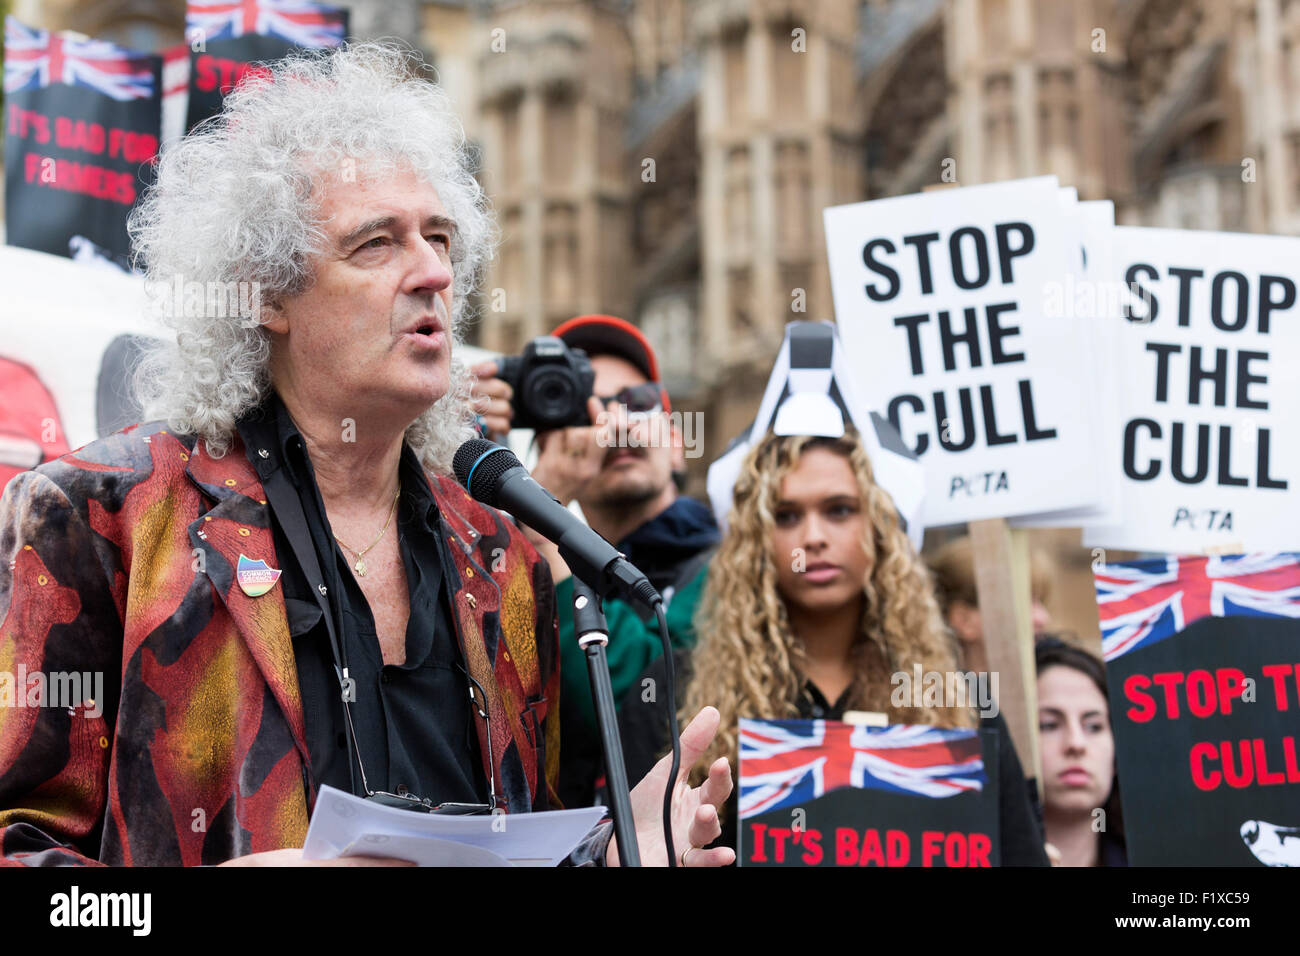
(804, 608)
(198, 559)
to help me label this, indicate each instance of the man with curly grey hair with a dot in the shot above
(290, 588)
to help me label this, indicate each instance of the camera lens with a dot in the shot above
(551, 396)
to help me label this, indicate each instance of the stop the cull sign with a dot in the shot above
(224, 64)
(825, 793)
(939, 301)
(1211, 361)
(1203, 667)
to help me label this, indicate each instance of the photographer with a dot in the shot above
(621, 470)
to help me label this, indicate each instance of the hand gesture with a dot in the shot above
(568, 458)
(694, 811)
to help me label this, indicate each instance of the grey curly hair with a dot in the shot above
(233, 202)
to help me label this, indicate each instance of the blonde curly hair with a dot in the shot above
(747, 662)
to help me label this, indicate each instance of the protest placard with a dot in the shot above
(1211, 355)
(825, 793)
(81, 135)
(230, 42)
(1090, 296)
(938, 299)
(1204, 688)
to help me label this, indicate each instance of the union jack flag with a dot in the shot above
(300, 22)
(785, 763)
(1141, 603)
(38, 58)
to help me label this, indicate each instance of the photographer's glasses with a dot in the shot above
(637, 400)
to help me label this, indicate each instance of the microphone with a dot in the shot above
(493, 475)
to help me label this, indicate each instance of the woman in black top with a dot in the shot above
(814, 599)
(1080, 791)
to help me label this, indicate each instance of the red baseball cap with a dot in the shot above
(609, 335)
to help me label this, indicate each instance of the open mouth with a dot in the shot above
(427, 336)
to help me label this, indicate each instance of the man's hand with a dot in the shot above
(292, 856)
(491, 397)
(695, 812)
(568, 458)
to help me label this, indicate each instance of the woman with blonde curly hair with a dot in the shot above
(813, 600)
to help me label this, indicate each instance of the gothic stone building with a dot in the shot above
(669, 160)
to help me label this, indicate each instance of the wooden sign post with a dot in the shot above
(1002, 585)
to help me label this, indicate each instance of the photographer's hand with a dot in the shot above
(569, 458)
(492, 400)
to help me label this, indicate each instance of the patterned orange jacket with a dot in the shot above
(119, 559)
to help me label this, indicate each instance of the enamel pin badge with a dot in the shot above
(255, 577)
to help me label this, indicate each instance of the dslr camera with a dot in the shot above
(552, 383)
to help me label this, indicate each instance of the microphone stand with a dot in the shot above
(592, 631)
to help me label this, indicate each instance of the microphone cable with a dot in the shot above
(670, 690)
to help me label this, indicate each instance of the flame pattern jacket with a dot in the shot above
(119, 559)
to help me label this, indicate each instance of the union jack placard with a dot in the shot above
(786, 763)
(38, 58)
(1202, 677)
(299, 22)
(1141, 603)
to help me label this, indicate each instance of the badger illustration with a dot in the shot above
(1272, 845)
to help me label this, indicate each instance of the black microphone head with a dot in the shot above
(479, 465)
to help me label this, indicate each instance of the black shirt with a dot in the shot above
(644, 731)
(413, 722)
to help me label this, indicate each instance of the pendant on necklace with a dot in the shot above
(360, 568)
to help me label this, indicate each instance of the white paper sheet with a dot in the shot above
(344, 825)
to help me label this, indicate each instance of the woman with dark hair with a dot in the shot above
(1081, 810)
(814, 599)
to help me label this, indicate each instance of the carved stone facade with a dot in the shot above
(139, 24)
(668, 160)
(554, 87)
(724, 127)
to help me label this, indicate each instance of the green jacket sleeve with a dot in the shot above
(633, 645)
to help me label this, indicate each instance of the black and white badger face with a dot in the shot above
(86, 252)
(1272, 845)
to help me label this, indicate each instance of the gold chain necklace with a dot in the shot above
(360, 566)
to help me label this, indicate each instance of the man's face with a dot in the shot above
(640, 468)
(376, 322)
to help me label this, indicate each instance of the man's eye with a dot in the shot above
(374, 243)
(440, 237)
(1045, 725)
